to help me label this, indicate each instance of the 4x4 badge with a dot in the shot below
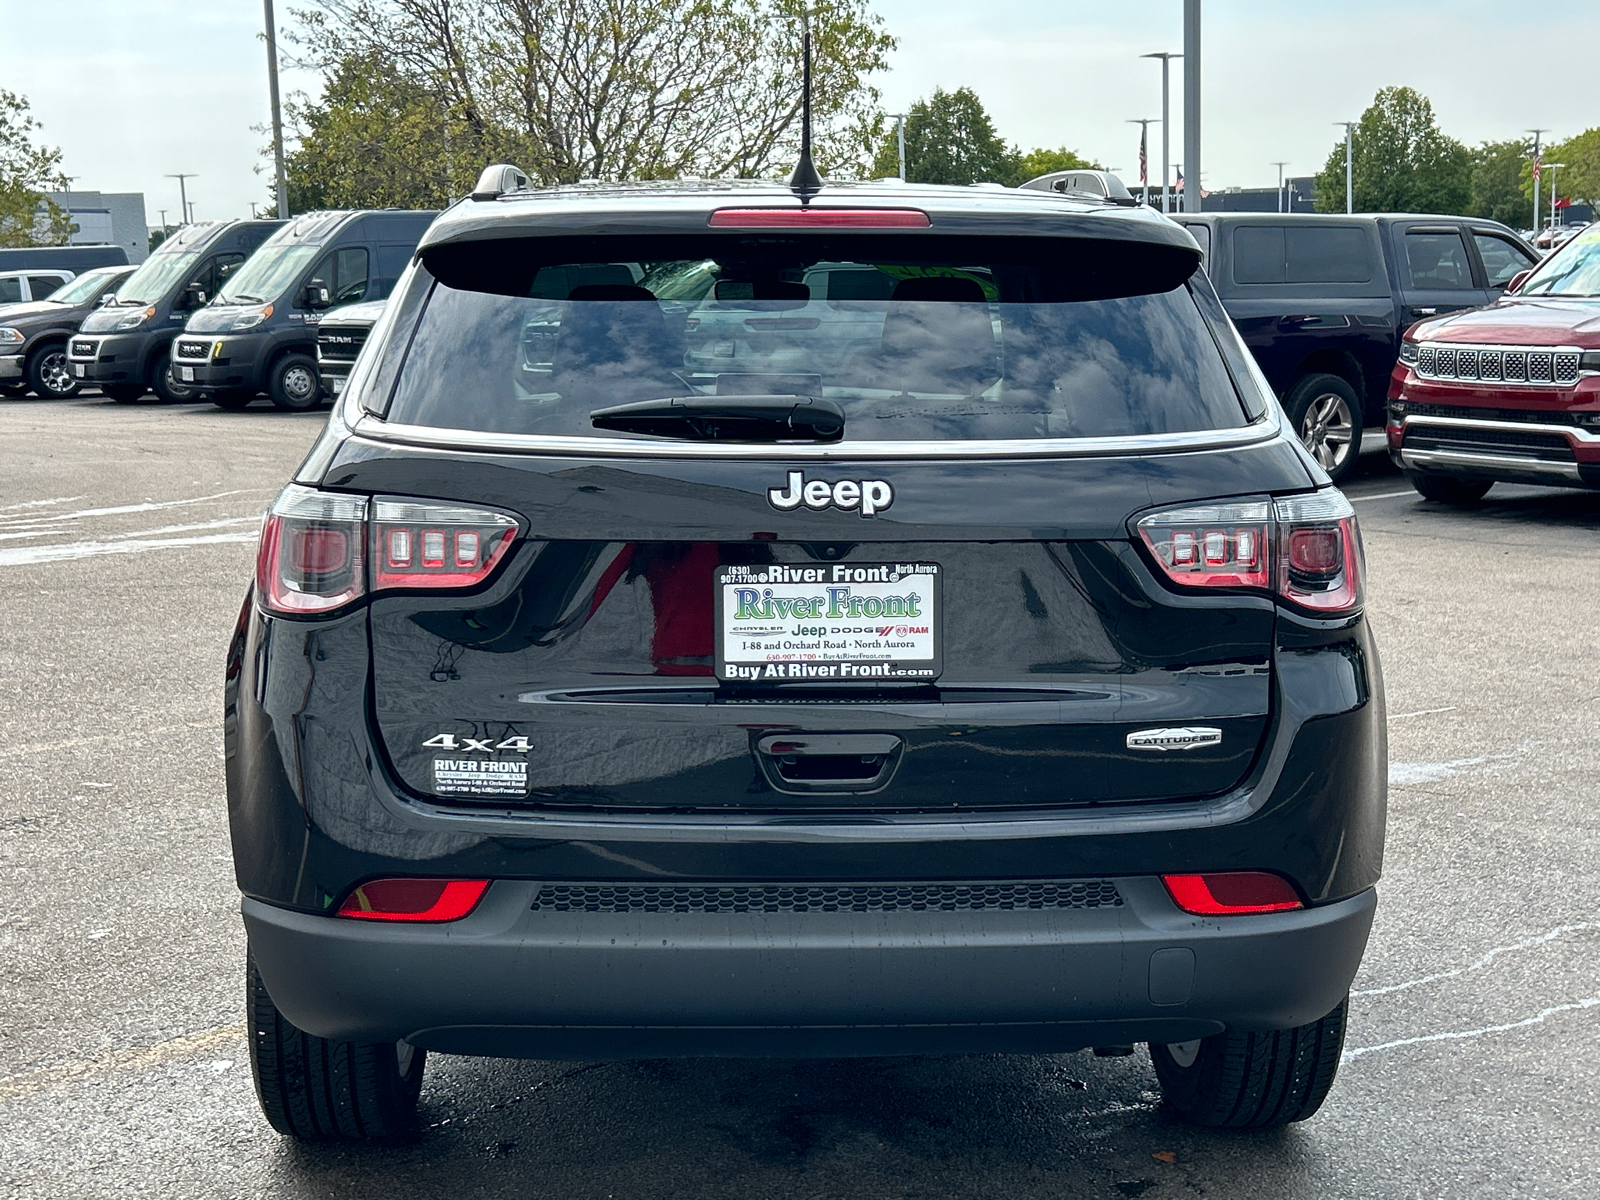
(1187, 737)
(869, 495)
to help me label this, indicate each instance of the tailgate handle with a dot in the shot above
(829, 762)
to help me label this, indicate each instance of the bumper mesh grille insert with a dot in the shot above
(825, 897)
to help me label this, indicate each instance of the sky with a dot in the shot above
(133, 90)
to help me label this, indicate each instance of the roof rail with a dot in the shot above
(498, 180)
(1100, 185)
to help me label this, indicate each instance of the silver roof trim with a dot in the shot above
(372, 429)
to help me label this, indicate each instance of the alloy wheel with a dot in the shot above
(1328, 430)
(54, 374)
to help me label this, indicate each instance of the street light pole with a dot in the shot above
(1191, 104)
(1280, 166)
(1166, 124)
(1553, 167)
(900, 138)
(1536, 134)
(1144, 124)
(277, 114)
(1349, 177)
(183, 196)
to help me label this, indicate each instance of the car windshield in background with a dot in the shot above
(158, 276)
(1032, 344)
(1574, 270)
(78, 290)
(266, 274)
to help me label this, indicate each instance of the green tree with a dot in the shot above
(949, 139)
(1041, 161)
(430, 91)
(1579, 176)
(27, 216)
(1497, 169)
(1402, 162)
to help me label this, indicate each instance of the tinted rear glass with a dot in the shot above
(1301, 254)
(922, 341)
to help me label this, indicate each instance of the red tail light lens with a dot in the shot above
(1232, 893)
(819, 218)
(310, 555)
(421, 545)
(315, 546)
(414, 899)
(1306, 548)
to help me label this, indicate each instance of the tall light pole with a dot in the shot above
(1536, 135)
(900, 139)
(1280, 166)
(277, 114)
(1553, 167)
(183, 196)
(1349, 177)
(163, 213)
(1191, 103)
(1144, 124)
(1166, 124)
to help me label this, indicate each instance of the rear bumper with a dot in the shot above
(513, 981)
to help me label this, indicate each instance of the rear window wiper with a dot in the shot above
(760, 418)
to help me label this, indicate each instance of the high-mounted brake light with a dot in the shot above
(1232, 893)
(1305, 548)
(414, 899)
(819, 218)
(318, 549)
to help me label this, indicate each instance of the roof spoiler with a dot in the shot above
(1097, 185)
(499, 180)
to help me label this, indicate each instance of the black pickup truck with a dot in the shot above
(1322, 301)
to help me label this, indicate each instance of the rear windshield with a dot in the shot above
(933, 340)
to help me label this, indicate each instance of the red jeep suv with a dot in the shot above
(1508, 392)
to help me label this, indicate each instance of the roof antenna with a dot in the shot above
(805, 182)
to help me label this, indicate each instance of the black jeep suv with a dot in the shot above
(877, 620)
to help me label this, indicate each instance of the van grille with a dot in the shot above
(192, 350)
(825, 897)
(83, 348)
(1498, 364)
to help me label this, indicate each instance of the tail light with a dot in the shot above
(414, 899)
(316, 548)
(1225, 893)
(1307, 549)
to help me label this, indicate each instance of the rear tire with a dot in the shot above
(318, 1090)
(164, 385)
(1252, 1080)
(293, 383)
(48, 373)
(1326, 416)
(1447, 490)
(122, 393)
(232, 401)
(16, 391)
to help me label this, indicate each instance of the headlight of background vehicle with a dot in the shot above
(249, 318)
(1408, 353)
(10, 337)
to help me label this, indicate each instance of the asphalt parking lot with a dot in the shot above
(126, 539)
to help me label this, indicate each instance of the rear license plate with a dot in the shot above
(188, 374)
(828, 622)
(335, 384)
(79, 370)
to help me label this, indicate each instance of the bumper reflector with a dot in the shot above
(414, 899)
(1226, 893)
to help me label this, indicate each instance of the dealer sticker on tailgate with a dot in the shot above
(842, 622)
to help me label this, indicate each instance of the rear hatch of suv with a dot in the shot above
(770, 520)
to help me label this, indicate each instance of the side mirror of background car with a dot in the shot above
(194, 296)
(108, 298)
(316, 294)
(1517, 280)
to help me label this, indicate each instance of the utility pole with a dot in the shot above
(1349, 178)
(1144, 124)
(1166, 124)
(900, 139)
(1536, 135)
(183, 195)
(1191, 103)
(163, 213)
(1553, 167)
(277, 114)
(191, 212)
(1280, 166)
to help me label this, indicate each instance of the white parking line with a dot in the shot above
(1422, 712)
(39, 503)
(26, 555)
(1456, 1035)
(17, 1086)
(1385, 496)
(146, 506)
(1483, 960)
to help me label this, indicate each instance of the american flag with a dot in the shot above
(1144, 160)
(1536, 166)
